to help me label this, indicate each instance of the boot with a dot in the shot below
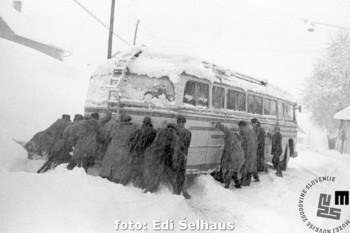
(186, 195)
(227, 184)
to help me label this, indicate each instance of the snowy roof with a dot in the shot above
(343, 114)
(157, 63)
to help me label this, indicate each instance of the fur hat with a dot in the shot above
(242, 123)
(78, 117)
(180, 119)
(171, 126)
(125, 118)
(254, 121)
(66, 117)
(95, 115)
(147, 120)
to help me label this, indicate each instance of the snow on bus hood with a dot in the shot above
(156, 63)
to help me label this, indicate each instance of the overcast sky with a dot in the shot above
(266, 39)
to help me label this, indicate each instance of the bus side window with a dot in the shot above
(266, 107)
(240, 101)
(218, 97)
(203, 94)
(255, 104)
(196, 94)
(190, 93)
(280, 109)
(231, 100)
(235, 100)
(251, 105)
(288, 112)
(259, 105)
(273, 107)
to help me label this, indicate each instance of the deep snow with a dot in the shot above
(35, 92)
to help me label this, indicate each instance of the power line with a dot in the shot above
(100, 21)
(327, 25)
(299, 18)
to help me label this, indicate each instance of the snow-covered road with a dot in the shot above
(71, 201)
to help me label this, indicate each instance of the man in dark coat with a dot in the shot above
(158, 160)
(83, 137)
(78, 117)
(249, 146)
(41, 143)
(58, 152)
(116, 162)
(139, 141)
(180, 162)
(260, 133)
(232, 158)
(276, 150)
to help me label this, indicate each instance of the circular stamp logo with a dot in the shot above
(324, 205)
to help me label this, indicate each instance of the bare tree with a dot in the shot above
(328, 90)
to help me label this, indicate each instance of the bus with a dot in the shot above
(162, 85)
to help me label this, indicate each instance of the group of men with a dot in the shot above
(243, 155)
(146, 157)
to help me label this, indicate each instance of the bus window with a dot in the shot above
(288, 113)
(196, 94)
(202, 94)
(273, 107)
(259, 104)
(218, 97)
(269, 107)
(231, 100)
(236, 100)
(190, 92)
(255, 104)
(266, 107)
(280, 109)
(240, 101)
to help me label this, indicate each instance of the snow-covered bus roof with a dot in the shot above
(156, 63)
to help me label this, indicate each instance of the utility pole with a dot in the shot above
(111, 25)
(135, 35)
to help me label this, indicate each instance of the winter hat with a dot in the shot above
(125, 118)
(95, 115)
(254, 121)
(78, 117)
(87, 117)
(171, 126)
(66, 117)
(242, 123)
(147, 120)
(180, 119)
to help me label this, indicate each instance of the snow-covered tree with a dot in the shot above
(328, 90)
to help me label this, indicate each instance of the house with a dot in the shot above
(343, 139)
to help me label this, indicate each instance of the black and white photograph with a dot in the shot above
(175, 116)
